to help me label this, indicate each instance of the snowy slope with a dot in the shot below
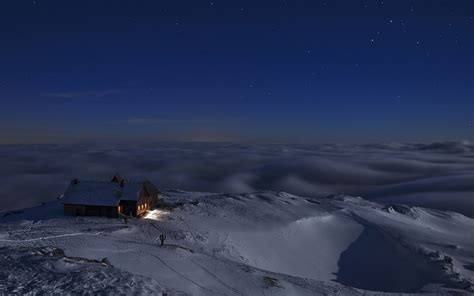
(265, 243)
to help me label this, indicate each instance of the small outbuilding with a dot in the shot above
(110, 198)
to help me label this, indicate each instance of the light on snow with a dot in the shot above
(156, 214)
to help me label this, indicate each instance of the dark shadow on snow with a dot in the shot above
(378, 263)
(469, 267)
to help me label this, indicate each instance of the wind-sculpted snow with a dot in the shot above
(261, 243)
(47, 271)
(437, 175)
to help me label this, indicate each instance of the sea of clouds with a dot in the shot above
(437, 175)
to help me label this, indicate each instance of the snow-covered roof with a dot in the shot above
(97, 193)
(131, 191)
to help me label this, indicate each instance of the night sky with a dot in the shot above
(246, 71)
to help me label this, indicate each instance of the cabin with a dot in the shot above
(110, 198)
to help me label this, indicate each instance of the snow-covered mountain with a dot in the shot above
(265, 243)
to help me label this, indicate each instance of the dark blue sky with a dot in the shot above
(254, 71)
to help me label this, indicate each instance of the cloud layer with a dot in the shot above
(439, 175)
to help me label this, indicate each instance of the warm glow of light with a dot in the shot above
(156, 214)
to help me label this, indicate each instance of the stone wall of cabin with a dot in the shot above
(82, 210)
(149, 197)
(128, 208)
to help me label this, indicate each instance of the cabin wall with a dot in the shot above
(74, 210)
(146, 202)
(141, 209)
(151, 199)
(82, 210)
(128, 208)
(151, 194)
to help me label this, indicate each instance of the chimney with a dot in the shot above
(75, 181)
(116, 179)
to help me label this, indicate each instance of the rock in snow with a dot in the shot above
(264, 243)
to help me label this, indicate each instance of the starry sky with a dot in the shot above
(240, 71)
